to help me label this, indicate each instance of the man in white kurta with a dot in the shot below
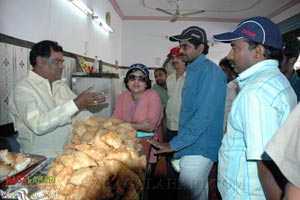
(175, 83)
(284, 149)
(43, 117)
(43, 108)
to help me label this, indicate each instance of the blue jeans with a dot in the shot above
(193, 177)
(10, 143)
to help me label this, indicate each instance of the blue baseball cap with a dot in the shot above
(139, 66)
(257, 29)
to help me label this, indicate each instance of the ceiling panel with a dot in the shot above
(219, 10)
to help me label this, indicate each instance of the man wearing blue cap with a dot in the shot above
(201, 115)
(264, 102)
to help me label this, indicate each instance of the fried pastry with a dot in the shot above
(98, 143)
(7, 157)
(5, 169)
(103, 161)
(79, 175)
(91, 122)
(112, 139)
(88, 136)
(80, 130)
(82, 160)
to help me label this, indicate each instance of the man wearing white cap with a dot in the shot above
(264, 102)
(201, 115)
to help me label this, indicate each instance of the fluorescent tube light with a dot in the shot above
(102, 24)
(79, 4)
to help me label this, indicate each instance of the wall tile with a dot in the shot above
(22, 65)
(5, 90)
(14, 65)
(6, 62)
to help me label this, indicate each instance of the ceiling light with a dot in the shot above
(102, 23)
(79, 4)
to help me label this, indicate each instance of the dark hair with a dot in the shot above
(148, 81)
(226, 63)
(270, 52)
(160, 69)
(291, 47)
(196, 43)
(43, 49)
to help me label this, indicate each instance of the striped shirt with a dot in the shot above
(264, 102)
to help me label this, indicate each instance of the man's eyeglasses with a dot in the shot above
(56, 61)
(132, 77)
(59, 62)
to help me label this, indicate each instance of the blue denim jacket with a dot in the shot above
(202, 110)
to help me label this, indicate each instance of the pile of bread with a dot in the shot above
(12, 163)
(103, 161)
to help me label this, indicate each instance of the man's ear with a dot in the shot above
(201, 47)
(39, 60)
(259, 52)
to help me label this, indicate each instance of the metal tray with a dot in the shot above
(42, 169)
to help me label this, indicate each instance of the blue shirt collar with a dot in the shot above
(195, 63)
(256, 69)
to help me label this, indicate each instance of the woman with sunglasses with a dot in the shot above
(140, 106)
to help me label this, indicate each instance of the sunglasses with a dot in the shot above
(132, 77)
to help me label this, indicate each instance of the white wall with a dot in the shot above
(147, 41)
(59, 20)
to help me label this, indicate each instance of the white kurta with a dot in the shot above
(43, 117)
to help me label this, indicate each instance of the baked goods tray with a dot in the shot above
(35, 160)
(42, 169)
